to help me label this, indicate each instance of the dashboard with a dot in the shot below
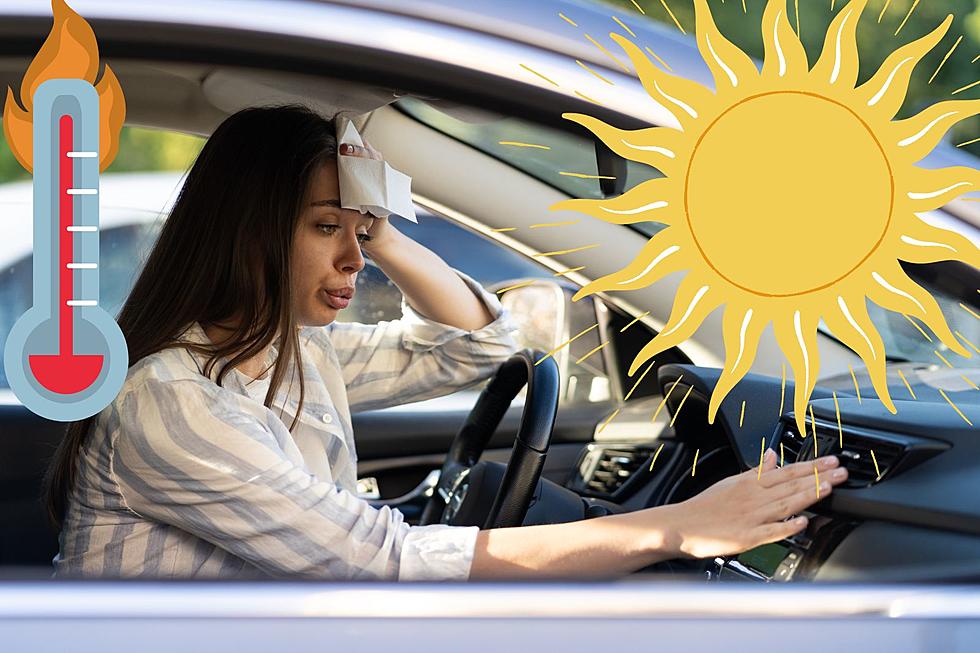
(908, 511)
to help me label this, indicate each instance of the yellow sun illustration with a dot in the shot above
(789, 195)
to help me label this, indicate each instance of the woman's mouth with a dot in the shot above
(336, 301)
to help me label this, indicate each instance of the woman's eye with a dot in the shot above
(332, 229)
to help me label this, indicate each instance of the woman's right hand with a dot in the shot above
(746, 510)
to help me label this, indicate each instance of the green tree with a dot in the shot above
(876, 40)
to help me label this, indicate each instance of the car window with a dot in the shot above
(492, 265)
(484, 131)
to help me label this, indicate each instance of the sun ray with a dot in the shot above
(660, 147)
(658, 258)
(908, 386)
(839, 60)
(893, 290)
(884, 9)
(919, 135)
(583, 175)
(579, 361)
(958, 411)
(728, 64)
(623, 25)
(630, 207)
(586, 97)
(547, 79)
(608, 419)
(797, 337)
(852, 325)
(923, 243)
(785, 55)
(672, 16)
(857, 388)
(914, 323)
(907, 16)
(663, 402)
(566, 343)
(567, 19)
(967, 341)
(540, 225)
(521, 144)
(762, 450)
(975, 140)
(667, 89)
(586, 67)
(965, 88)
(946, 58)
(516, 285)
(655, 456)
(678, 411)
(568, 271)
(637, 383)
(885, 92)
(840, 431)
(782, 391)
(692, 303)
(741, 329)
(932, 189)
(634, 321)
(609, 54)
(571, 250)
(659, 60)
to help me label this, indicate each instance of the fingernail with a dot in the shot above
(345, 149)
(770, 454)
(838, 473)
(799, 521)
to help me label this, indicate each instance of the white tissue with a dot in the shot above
(368, 185)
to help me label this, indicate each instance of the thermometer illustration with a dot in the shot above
(66, 357)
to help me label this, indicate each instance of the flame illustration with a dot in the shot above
(70, 51)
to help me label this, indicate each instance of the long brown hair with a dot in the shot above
(226, 240)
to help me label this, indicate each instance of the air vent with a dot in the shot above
(604, 469)
(869, 457)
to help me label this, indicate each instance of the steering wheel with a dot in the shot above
(465, 485)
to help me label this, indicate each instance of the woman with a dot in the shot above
(192, 470)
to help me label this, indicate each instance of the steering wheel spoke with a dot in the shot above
(515, 490)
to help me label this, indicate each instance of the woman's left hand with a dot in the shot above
(381, 231)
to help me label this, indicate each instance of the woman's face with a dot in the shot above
(326, 254)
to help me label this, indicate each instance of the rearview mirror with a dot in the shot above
(547, 319)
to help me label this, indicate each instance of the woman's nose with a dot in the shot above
(352, 259)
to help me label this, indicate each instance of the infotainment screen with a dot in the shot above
(765, 558)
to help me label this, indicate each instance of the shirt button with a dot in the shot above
(327, 418)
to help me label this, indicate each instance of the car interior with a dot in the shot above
(572, 439)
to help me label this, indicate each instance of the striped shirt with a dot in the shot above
(182, 478)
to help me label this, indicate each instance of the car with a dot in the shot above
(438, 84)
